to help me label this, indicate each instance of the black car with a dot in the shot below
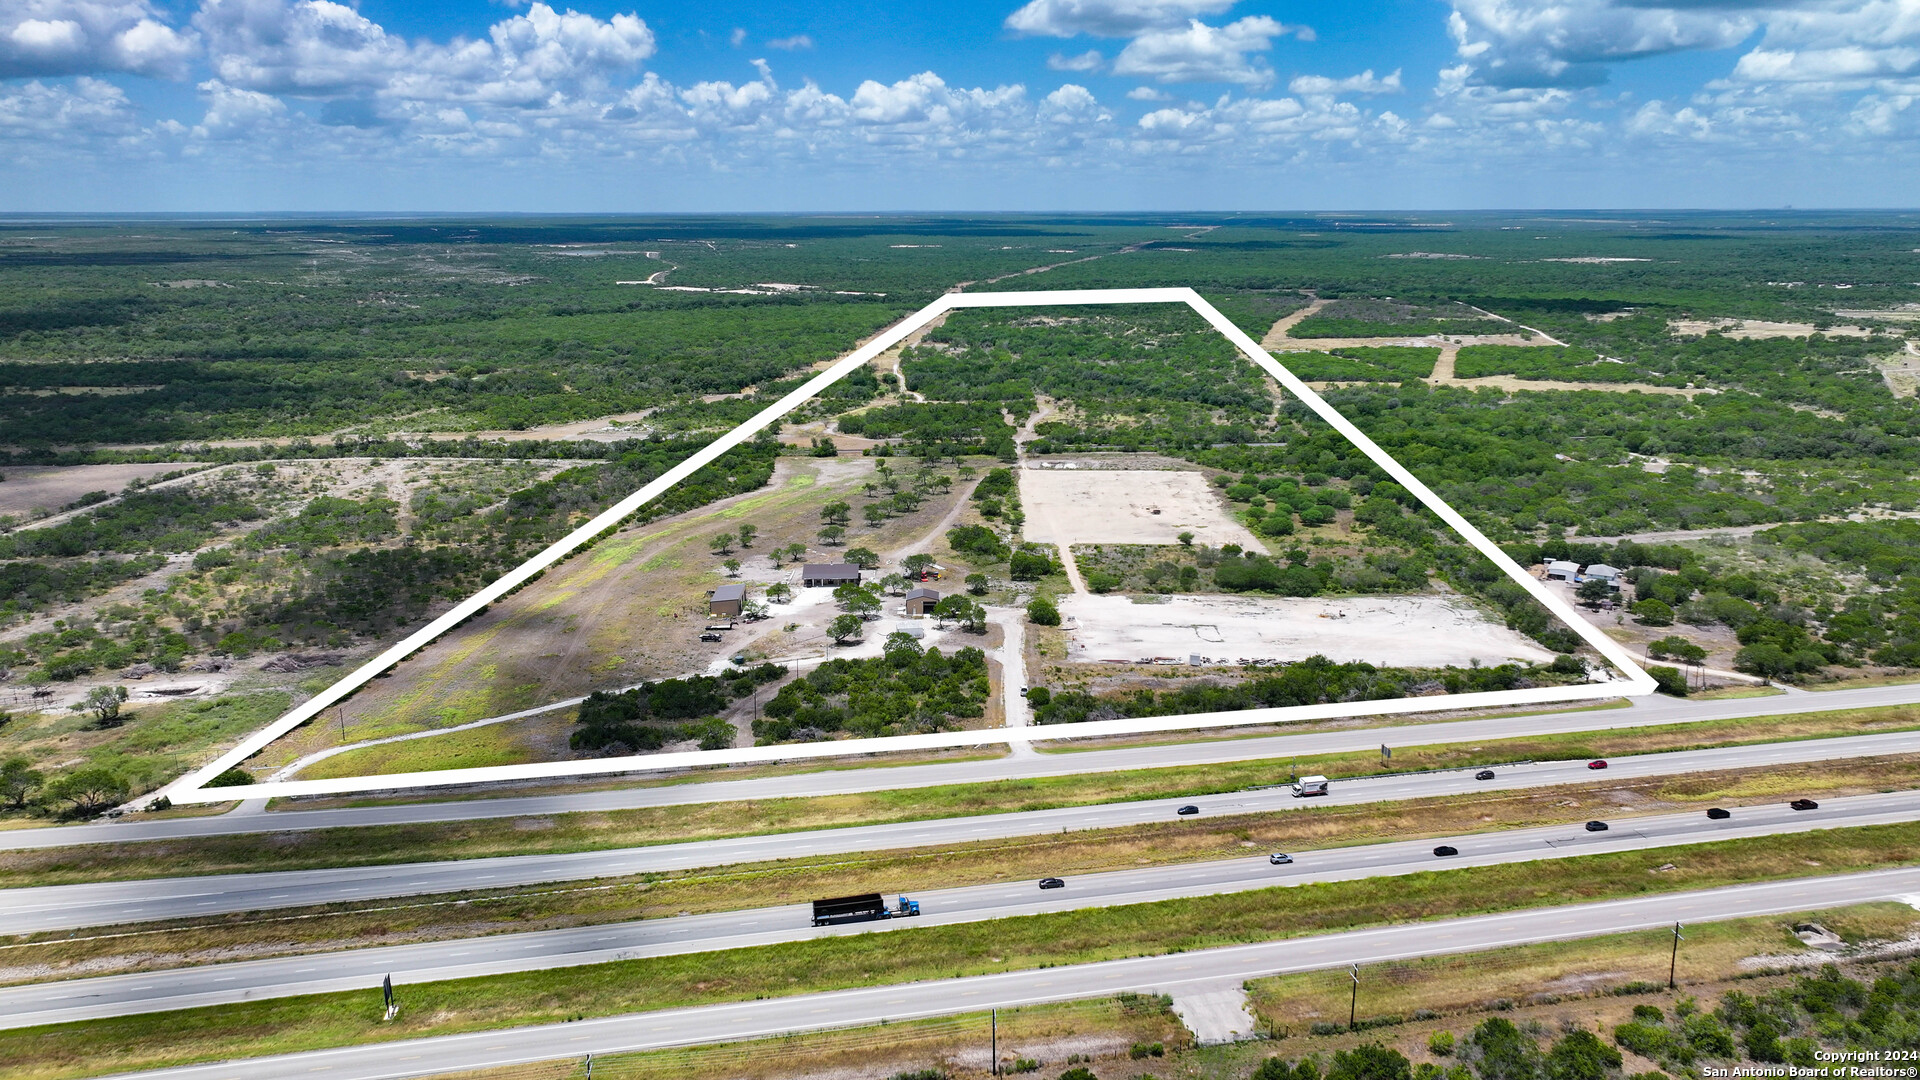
(1596, 826)
(1052, 883)
(1188, 810)
(1717, 814)
(1445, 850)
(1804, 804)
(1483, 774)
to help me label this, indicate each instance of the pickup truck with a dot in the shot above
(862, 908)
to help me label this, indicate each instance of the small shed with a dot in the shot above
(727, 600)
(1562, 570)
(830, 575)
(1603, 572)
(921, 601)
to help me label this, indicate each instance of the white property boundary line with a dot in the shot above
(191, 789)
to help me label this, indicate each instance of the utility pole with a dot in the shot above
(1354, 1005)
(994, 1019)
(1673, 964)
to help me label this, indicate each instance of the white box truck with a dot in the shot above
(1309, 785)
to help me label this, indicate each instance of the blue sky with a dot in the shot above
(129, 105)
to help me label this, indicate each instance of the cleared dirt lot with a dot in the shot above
(1088, 506)
(30, 488)
(1754, 329)
(1398, 631)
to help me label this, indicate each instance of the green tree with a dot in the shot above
(844, 628)
(865, 558)
(87, 790)
(18, 781)
(838, 512)
(1501, 1051)
(901, 650)
(1675, 647)
(1042, 612)
(779, 592)
(1653, 612)
(747, 533)
(1767, 660)
(1594, 590)
(796, 551)
(733, 567)
(104, 703)
(1185, 538)
(1668, 680)
(832, 535)
(721, 543)
(875, 515)
(917, 564)
(1580, 1055)
(1370, 1061)
(977, 584)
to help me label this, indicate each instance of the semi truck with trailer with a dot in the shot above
(862, 908)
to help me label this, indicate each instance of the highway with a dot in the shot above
(150, 991)
(1645, 712)
(943, 997)
(65, 907)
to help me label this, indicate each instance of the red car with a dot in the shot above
(1596, 764)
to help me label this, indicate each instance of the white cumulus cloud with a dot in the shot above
(1570, 42)
(78, 37)
(1202, 53)
(1091, 60)
(1363, 83)
(1107, 18)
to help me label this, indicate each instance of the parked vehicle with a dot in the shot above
(1188, 810)
(1052, 883)
(1445, 850)
(861, 908)
(1596, 764)
(1280, 858)
(1804, 804)
(1717, 814)
(1310, 785)
(1483, 774)
(1596, 826)
(710, 635)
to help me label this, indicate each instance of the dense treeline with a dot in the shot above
(1881, 623)
(537, 370)
(651, 715)
(143, 521)
(945, 429)
(1313, 681)
(904, 691)
(1136, 377)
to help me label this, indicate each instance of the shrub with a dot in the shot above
(1440, 1043)
(1029, 565)
(234, 777)
(1668, 680)
(1042, 612)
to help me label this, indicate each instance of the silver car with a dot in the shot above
(1280, 858)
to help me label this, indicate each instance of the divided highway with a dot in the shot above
(1643, 713)
(945, 997)
(63, 907)
(151, 991)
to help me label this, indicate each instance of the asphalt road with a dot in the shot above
(358, 969)
(944, 997)
(63, 907)
(1645, 712)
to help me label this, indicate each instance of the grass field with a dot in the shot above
(269, 1027)
(701, 821)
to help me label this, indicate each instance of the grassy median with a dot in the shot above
(256, 852)
(270, 1027)
(249, 935)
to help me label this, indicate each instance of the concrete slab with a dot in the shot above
(1215, 1012)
